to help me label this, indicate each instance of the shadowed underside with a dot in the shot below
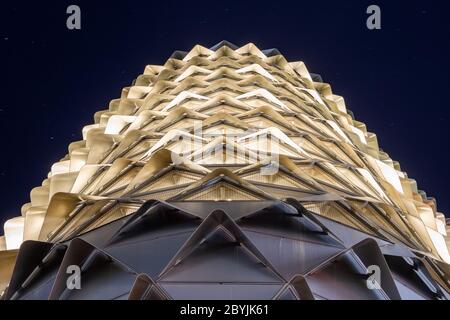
(227, 173)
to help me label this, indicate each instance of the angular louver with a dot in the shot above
(227, 173)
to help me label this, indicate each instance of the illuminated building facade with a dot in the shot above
(227, 173)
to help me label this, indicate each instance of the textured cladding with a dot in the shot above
(259, 255)
(227, 173)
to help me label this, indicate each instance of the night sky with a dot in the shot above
(396, 80)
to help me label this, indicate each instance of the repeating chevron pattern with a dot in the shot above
(217, 143)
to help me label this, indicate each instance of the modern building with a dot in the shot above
(226, 173)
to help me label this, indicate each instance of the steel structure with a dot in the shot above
(227, 173)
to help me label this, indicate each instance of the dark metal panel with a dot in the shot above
(291, 256)
(286, 293)
(348, 235)
(224, 291)
(41, 283)
(219, 258)
(149, 256)
(100, 236)
(370, 254)
(144, 288)
(102, 279)
(228, 228)
(338, 280)
(301, 287)
(406, 271)
(408, 293)
(160, 219)
(77, 253)
(30, 255)
(274, 222)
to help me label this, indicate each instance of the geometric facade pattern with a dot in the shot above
(227, 173)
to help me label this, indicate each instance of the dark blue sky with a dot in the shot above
(396, 80)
